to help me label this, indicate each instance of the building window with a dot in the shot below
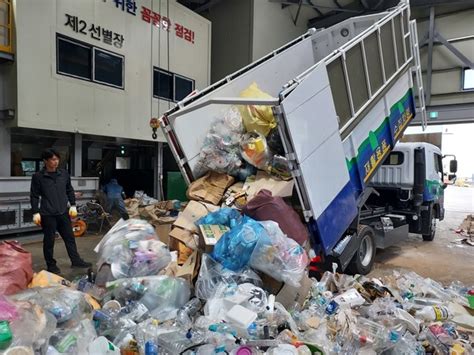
(163, 84)
(74, 59)
(468, 79)
(182, 87)
(170, 86)
(84, 61)
(108, 68)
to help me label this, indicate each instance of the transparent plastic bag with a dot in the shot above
(132, 249)
(279, 256)
(8, 310)
(220, 150)
(33, 327)
(161, 295)
(212, 274)
(234, 248)
(68, 306)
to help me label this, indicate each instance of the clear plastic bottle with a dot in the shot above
(177, 342)
(185, 313)
(372, 334)
(434, 313)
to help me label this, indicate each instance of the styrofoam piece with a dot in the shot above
(350, 297)
(240, 316)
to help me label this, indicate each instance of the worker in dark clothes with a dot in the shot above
(115, 196)
(52, 186)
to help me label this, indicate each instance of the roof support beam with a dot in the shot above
(316, 6)
(431, 3)
(465, 60)
(430, 55)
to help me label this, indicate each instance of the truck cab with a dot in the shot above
(410, 182)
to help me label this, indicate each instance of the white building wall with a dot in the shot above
(274, 26)
(47, 100)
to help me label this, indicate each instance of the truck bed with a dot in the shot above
(337, 119)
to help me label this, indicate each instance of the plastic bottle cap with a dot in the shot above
(112, 305)
(244, 350)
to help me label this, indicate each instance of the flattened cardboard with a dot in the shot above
(288, 295)
(163, 231)
(265, 181)
(184, 236)
(193, 211)
(210, 188)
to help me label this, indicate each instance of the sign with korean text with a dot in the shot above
(156, 19)
(96, 32)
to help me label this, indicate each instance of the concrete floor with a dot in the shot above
(440, 259)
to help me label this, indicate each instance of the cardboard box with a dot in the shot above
(190, 269)
(163, 231)
(193, 211)
(210, 234)
(209, 188)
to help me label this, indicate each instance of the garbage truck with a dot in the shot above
(342, 98)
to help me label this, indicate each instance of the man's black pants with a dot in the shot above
(62, 224)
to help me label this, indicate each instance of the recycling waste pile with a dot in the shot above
(141, 302)
(225, 272)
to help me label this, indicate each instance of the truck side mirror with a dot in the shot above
(453, 166)
(451, 177)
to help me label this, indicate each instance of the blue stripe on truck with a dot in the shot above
(330, 226)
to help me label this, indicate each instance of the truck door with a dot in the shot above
(434, 190)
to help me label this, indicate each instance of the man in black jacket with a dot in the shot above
(54, 187)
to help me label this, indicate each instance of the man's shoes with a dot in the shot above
(54, 269)
(81, 264)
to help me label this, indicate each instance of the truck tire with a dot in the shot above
(429, 237)
(363, 259)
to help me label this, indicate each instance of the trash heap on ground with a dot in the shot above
(226, 272)
(142, 302)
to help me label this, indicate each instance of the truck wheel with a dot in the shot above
(430, 237)
(363, 259)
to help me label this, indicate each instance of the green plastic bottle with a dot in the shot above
(6, 335)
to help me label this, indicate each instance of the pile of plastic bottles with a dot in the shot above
(233, 313)
(231, 309)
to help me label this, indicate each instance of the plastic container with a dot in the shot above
(470, 298)
(6, 336)
(434, 313)
(283, 349)
(101, 346)
(151, 348)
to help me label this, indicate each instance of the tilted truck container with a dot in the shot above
(342, 98)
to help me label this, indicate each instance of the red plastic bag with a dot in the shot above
(16, 269)
(265, 207)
